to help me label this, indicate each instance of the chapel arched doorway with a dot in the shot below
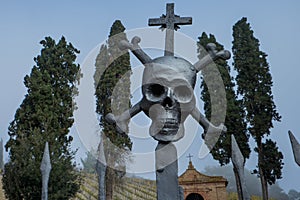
(194, 196)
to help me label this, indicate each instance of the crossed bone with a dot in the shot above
(121, 121)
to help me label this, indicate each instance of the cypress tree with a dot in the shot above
(254, 86)
(235, 116)
(112, 82)
(45, 115)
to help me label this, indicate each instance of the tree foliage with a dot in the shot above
(46, 114)
(235, 116)
(112, 83)
(112, 67)
(234, 120)
(272, 158)
(254, 82)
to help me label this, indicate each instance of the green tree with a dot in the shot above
(89, 163)
(235, 116)
(254, 86)
(112, 82)
(46, 114)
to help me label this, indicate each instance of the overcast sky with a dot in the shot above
(86, 24)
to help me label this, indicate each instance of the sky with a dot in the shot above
(86, 24)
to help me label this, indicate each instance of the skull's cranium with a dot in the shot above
(168, 96)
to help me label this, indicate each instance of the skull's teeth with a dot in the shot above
(171, 121)
(168, 121)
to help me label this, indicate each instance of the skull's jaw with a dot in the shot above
(167, 132)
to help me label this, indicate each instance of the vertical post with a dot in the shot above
(167, 172)
(101, 170)
(45, 169)
(169, 41)
(238, 162)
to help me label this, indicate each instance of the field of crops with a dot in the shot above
(130, 189)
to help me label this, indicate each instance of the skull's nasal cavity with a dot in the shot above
(168, 102)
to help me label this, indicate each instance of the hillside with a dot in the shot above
(130, 189)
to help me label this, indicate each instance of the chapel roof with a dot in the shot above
(192, 176)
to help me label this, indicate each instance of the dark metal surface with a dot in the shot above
(296, 147)
(45, 169)
(238, 162)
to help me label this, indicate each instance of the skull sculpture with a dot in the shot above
(168, 96)
(168, 93)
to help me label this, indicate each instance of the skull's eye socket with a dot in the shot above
(183, 93)
(155, 92)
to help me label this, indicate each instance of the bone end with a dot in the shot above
(135, 40)
(225, 54)
(124, 45)
(211, 47)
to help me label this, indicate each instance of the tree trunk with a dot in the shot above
(238, 183)
(263, 181)
(264, 185)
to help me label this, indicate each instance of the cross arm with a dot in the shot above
(157, 22)
(183, 20)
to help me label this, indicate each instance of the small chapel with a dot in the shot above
(197, 186)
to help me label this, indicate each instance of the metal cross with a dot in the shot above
(170, 21)
(190, 157)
